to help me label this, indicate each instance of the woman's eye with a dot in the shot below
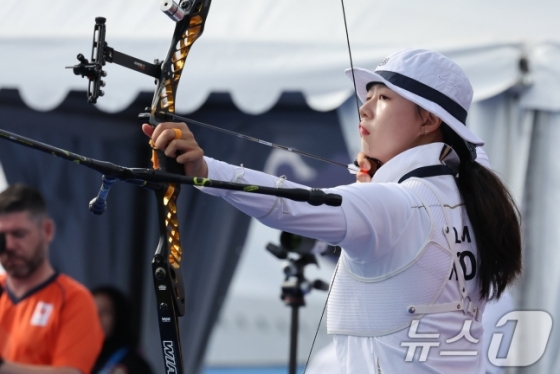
(383, 97)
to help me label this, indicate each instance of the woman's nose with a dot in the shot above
(365, 111)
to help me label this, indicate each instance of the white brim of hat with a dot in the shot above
(364, 76)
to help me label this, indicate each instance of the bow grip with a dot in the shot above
(163, 162)
(168, 164)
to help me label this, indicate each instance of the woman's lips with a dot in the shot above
(363, 131)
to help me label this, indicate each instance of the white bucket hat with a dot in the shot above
(428, 79)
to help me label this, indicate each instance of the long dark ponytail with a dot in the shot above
(494, 218)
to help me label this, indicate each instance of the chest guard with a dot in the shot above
(383, 305)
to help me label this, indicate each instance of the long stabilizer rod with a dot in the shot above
(155, 179)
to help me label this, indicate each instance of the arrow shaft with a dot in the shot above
(175, 117)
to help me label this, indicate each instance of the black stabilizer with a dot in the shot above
(319, 197)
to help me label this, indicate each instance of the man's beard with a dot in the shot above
(25, 266)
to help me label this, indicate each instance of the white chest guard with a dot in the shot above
(383, 305)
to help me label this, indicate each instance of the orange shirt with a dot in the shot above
(54, 324)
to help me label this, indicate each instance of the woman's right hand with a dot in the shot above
(367, 168)
(184, 149)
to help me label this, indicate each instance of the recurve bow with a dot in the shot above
(190, 17)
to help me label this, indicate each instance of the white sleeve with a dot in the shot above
(323, 222)
(369, 222)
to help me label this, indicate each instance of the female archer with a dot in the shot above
(426, 241)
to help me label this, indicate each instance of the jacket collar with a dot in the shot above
(414, 158)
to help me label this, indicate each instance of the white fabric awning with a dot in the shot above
(256, 49)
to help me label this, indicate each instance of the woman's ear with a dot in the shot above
(430, 122)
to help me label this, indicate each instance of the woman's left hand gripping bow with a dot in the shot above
(178, 142)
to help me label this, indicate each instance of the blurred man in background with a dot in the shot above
(48, 321)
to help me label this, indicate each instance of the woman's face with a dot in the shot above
(106, 313)
(390, 124)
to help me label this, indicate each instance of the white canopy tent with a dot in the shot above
(256, 49)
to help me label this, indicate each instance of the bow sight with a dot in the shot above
(101, 53)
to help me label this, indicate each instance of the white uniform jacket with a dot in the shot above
(382, 227)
